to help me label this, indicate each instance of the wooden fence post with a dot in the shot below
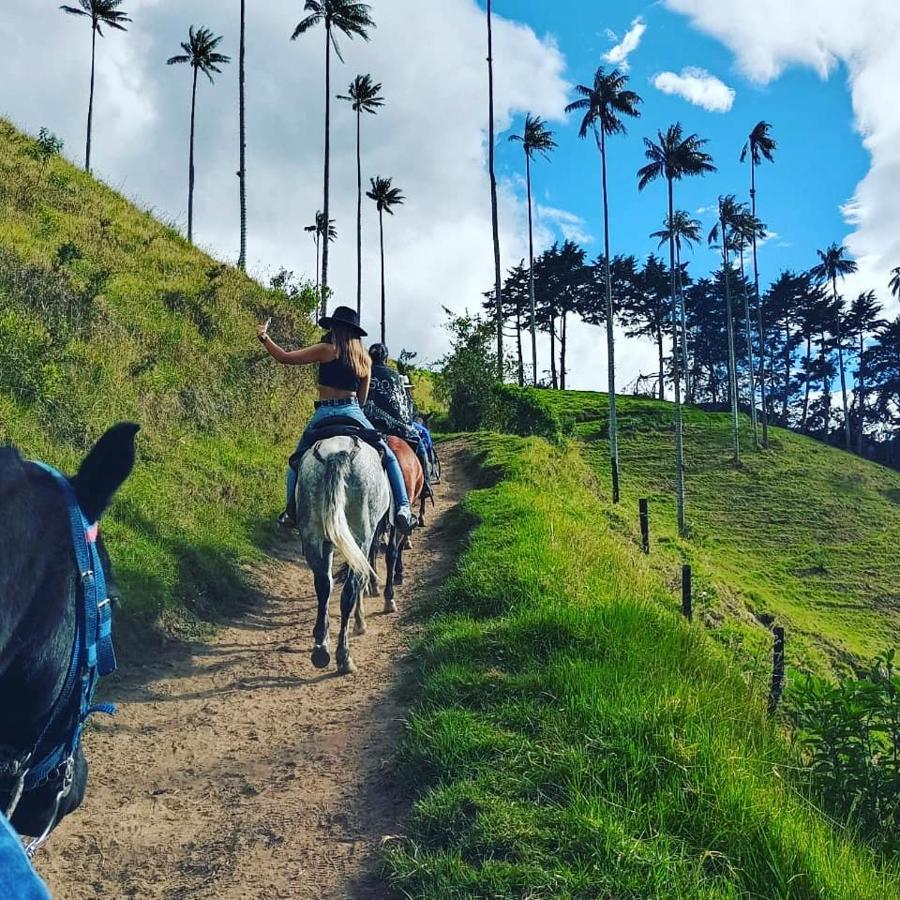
(686, 593)
(645, 526)
(777, 688)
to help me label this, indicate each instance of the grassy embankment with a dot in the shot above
(105, 315)
(574, 737)
(802, 532)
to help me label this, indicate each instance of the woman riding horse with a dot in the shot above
(345, 371)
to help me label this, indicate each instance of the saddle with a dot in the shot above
(340, 426)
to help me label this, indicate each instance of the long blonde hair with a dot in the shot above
(350, 349)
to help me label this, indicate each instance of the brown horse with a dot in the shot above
(414, 478)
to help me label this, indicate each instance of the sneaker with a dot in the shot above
(404, 519)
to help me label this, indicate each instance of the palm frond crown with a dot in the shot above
(385, 195)
(536, 137)
(364, 94)
(894, 283)
(605, 103)
(200, 52)
(682, 228)
(674, 156)
(349, 17)
(100, 12)
(760, 144)
(833, 264)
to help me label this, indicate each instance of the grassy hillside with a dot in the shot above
(576, 738)
(802, 532)
(106, 314)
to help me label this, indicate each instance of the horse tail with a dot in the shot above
(335, 526)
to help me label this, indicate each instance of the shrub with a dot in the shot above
(850, 732)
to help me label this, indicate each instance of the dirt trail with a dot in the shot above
(236, 769)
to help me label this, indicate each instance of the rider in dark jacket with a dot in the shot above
(388, 407)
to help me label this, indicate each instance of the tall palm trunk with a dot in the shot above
(242, 259)
(553, 379)
(383, 301)
(562, 353)
(521, 360)
(685, 364)
(359, 196)
(861, 393)
(610, 336)
(534, 365)
(676, 377)
(787, 372)
(318, 264)
(498, 290)
(325, 201)
(662, 362)
(840, 346)
(826, 381)
(808, 382)
(760, 327)
(191, 163)
(732, 365)
(90, 121)
(748, 331)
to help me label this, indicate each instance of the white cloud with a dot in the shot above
(767, 36)
(573, 227)
(696, 86)
(438, 245)
(618, 55)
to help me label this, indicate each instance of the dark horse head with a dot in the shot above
(38, 595)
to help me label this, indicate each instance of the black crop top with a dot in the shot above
(337, 374)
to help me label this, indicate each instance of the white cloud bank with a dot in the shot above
(767, 36)
(697, 86)
(618, 55)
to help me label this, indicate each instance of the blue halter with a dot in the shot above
(92, 657)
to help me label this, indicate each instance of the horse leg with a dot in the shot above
(391, 559)
(374, 549)
(422, 511)
(359, 610)
(350, 599)
(398, 574)
(319, 561)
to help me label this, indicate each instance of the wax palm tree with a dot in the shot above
(760, 145)
(364, 96)
(200, 53)
(100, 12)
(673, 157)
(685, 231)
(386, 197)
(352, 19)
(536, 137)
(495, 222)
(605, 103)
(318, 231)
(242, 120)
(833, 262)
(729, 213)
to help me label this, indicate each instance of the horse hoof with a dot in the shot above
(390, 606)
(398, 579)
(347, 667)
(359, 630)
(321, 658)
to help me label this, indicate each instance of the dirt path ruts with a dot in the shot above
(237, 770)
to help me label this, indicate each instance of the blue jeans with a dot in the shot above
(348, 409)
(18, 881)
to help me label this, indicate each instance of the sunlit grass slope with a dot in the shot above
(107, 314)
(802, 532)
(574, 737)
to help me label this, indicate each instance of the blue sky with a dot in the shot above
(820, 157)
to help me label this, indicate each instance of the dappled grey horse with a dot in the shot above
(342, 495)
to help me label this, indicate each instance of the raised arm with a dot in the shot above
(317, 353)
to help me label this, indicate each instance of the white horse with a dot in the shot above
(342, 495)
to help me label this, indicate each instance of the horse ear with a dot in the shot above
(105, 469)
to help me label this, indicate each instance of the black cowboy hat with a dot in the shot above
(343, 317)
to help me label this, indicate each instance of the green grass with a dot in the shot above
(137, 324)
(575, 738)
(802, 532)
